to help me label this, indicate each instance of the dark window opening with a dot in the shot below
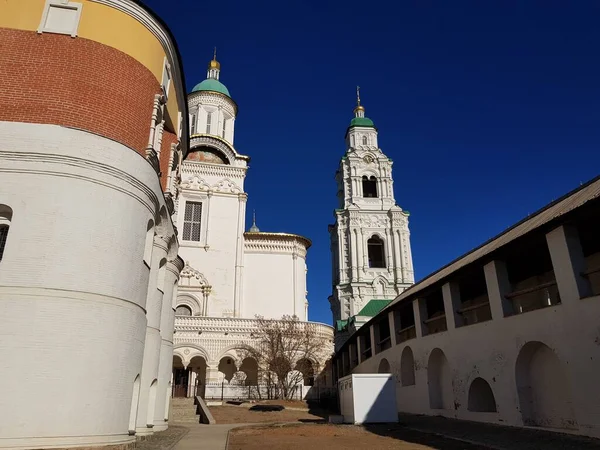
(376, 253)
(366, 351)
(369, 185)
(474, 301)
(3, 236)
(436, 316)
(531, 275)
(404, 321)
(383, 329)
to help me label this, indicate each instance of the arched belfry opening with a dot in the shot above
(375, 250)
(369, 185)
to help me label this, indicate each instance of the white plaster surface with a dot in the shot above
(368, 398)
(73, 284)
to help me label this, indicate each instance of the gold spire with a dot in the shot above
(214, 64)
(359, 107)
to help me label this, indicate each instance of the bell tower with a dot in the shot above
(370, 240)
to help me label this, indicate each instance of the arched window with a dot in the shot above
(364, 140)
(376, 253)
(5, 218)
(193, 124)
(369, 185)
(183, 310)
(208, 122)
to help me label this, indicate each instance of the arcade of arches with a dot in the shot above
(190, 376)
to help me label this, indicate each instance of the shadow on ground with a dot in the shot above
(435, 431)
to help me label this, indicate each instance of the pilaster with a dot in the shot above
(568, 263)
(498, 285)
(451, 295)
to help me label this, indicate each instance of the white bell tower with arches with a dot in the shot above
(370, 239)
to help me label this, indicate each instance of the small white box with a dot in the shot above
(368, 398)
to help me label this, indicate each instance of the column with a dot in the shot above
(212, 372)
(389, 250)
(149, 378)
(397, 256)
(392, 322)
(568, 263)
(360, 251)
(340, 249)
(498, 285)
(165, 365)
(420, 312)
(295, 281)
(353, 250)
(239, 256)
(451, 294)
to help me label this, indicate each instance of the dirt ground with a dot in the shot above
(242, 414)
(338, 437)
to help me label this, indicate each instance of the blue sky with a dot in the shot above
(489, 109)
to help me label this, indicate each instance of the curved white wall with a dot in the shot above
(274, 280)
(73, 285)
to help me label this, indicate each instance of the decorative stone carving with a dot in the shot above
(227, 186)
(374, 221)
(195, 183)
(192, 277)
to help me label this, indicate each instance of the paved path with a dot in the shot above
(205, 437)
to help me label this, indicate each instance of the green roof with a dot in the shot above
(362, 122)
(213, 85)
(340, 324)
(373, 307)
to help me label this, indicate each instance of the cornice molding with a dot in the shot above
(274, 246)
(224, 186)
(218, 170)
(213, 98)
(145, 196)
(148, 20)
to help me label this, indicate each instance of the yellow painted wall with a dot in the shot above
(102, 24)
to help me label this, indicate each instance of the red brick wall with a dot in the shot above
(57, 79)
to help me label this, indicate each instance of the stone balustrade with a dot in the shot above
(237, 325)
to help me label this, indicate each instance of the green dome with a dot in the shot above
(211, 84)
(362, 122)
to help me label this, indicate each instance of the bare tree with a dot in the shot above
(285, 350)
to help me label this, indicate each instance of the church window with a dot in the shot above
(5, 218)
(191, 221)
(376, 253)
(183, 310)
(193, 124)
(223, 130)
(369, 185)
(364, 140)
(208, 121)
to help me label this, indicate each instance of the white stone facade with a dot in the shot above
(85, 295)
(516, 339)
(365, 221)
(231, 275)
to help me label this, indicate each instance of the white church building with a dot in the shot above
(370, 240)
(231, 275)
